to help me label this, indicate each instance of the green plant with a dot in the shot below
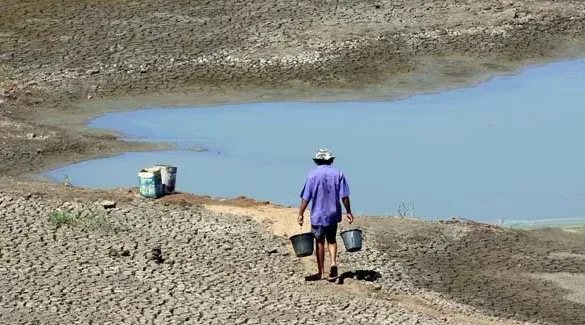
(59, 218)
(97, 223)
(84, 220)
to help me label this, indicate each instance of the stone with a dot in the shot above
(108, 204)
(271, 251)
(31, 136)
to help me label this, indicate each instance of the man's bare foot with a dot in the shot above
(314, 277)
(333, 272)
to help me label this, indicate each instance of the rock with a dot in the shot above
(31, 136)
(107, 204)
(93, 71)
(89, 96)
(377, 286)
(156, 255)
(271, 251)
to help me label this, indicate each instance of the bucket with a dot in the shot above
(303, 244)
(168, 176)
(149, 182)
(352, 239)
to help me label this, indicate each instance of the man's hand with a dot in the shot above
(300, 219)
(302, 208)
(350, 218)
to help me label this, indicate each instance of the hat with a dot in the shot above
(323, 154)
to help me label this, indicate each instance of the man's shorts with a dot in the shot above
(325, 232)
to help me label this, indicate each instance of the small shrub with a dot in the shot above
(98, 223)
(60, 218)
(86, 221)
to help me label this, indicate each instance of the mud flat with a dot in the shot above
(55, 54)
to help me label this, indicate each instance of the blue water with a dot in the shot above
(511, 148)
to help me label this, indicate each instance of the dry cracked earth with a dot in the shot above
(142, 261)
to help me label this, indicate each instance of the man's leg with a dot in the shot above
(330, 235)
(318, 232)
(333, 253)
(320, 252)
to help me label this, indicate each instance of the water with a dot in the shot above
(511, 149)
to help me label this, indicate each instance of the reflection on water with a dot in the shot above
(511, 148)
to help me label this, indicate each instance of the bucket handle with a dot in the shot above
(342, 228)
(301, 228)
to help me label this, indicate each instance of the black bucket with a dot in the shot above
(352, 239)
(303, 244)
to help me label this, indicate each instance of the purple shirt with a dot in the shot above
(325, 186)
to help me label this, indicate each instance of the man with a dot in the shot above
(325, 186)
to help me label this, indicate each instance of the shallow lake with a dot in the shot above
(511, 148)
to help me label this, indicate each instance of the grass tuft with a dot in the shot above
(63, 218)
(85, 221)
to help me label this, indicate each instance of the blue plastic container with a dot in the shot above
(150, 183)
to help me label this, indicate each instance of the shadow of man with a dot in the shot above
(361, 275)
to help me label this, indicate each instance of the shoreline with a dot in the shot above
(187, 102)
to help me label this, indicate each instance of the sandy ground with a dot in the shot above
(228, 260)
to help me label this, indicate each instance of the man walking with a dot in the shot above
(325, 186)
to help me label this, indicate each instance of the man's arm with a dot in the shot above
(306, 196)
(347, 205)
(344, 193)
(302, 208)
